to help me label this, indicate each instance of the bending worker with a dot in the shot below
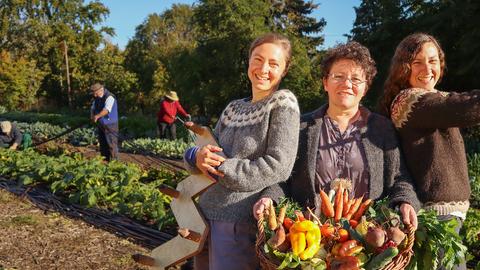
(10, 136)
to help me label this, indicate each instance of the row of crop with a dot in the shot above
(43, 131)
(120, 188)
(132, 126)
(87, 136)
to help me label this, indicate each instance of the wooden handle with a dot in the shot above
(169, 191)
(143, 259)
(197, 129)
(189, 234)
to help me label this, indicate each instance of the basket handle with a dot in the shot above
(261, 230)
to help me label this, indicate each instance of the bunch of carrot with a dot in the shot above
(343, 206)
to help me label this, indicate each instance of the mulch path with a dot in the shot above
(31, 238)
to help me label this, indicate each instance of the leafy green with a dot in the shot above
(432, 236)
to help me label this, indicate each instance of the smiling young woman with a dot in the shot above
(259, 137)
(428, 122)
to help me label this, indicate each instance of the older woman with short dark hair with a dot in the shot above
(343, 139)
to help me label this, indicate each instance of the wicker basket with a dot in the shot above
(398, 263)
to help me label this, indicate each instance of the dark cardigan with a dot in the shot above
(388, 174)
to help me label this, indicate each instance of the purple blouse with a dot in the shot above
(342, 155)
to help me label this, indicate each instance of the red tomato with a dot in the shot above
(287, 223)
(327, 230)
(353, 223)
(343, 234)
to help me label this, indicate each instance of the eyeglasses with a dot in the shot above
(340, 78)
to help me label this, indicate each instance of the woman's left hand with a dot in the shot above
(409, 216)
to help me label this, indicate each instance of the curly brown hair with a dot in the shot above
(354, 51)
(400, 69)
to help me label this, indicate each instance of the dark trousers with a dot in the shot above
(108, 139)
(167, 131)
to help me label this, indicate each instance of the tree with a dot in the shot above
(19, 82)
(36, 29)
(152, 54)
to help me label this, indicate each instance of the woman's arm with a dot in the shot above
(425, 109)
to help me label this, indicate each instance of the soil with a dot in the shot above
(33, 239)
(144, 161)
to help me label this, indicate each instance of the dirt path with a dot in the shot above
(32, 239)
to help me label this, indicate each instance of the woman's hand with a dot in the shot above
(409, 216)
(260, 206)
(207, 161)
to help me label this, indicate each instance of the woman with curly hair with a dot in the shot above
(428, 123)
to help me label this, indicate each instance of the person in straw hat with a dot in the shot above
(169, 107)
(104, 111)
(10, 136)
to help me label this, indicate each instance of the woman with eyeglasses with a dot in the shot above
(343, 139)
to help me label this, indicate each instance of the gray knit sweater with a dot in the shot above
(260, 141)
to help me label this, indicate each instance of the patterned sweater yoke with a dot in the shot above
(260, 142)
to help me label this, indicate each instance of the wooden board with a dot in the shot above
(187, 213)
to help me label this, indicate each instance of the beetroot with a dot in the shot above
(395, 234)
(375, 237)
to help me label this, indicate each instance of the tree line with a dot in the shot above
(201, 51)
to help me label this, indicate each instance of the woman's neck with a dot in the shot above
(343, 117)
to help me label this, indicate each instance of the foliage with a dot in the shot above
(471, 229)
(19, 81)
(474, 172)
(115, 186)
(154, 52)
(471, 137)
(431, 237)
(382, 24)
(162, 147)
(51, 118)
(43, 131)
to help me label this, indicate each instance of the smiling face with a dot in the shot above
(266, 68)
(425, 68)
(343, 95)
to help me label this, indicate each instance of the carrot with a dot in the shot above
(362, 209)
(346, 202)
(281, 214)
(354, 208)
(300, 216)
(272, 218)
(327, 207)
(339, 204)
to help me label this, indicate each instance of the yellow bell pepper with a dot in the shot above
(297, 239)
(313, 238)
(304, 226)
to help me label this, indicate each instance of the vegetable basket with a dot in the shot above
(347, 233)
(268, 263)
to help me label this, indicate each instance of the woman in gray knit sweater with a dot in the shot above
(428, 123)
(259, 137)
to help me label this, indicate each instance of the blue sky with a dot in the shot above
(125, 15)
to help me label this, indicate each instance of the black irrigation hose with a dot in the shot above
(60, 135)
(114, 223)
